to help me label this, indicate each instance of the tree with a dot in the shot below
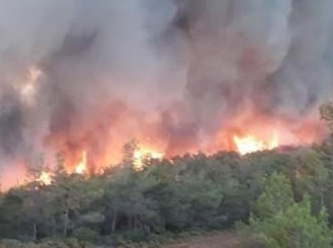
(310, 176)
(277, 195)
(11, 213)
(280, 222)
(34, 197)
(126, 196)
(128, 153)
(67, 196)
(295, 227)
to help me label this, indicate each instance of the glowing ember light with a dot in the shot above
(45, 178)
(142, 153)
(250, 143)
(82, 165)
(34, 74)
(28, 89)
(274, 141)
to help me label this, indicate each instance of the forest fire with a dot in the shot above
(84, 159)
(136, 119)
(86, 84)
(249, 143)
(45, 178)
(258, 137)
(142, 153)
(82, 165)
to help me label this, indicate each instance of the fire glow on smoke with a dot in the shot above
(243, 145)
(250, 143)
(80, 158)
(177, 76)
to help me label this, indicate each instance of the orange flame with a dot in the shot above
(250, 143)
(144, 152)
(45, 178)
(82, 165)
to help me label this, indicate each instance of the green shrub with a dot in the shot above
(289, 224)
(85, 234)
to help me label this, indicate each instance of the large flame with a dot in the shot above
(81, 167)
(45, 178)
(102, 135)
(250, 143)
(142, 153)
(182, 88)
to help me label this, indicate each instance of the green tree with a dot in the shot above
(310, 176)
(295, 227)
(277, 195)
(126, 195)
(280, 222)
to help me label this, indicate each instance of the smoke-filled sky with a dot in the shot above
(82, 74)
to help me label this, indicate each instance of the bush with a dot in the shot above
(289, 224)
(295, 228)
(85, 234)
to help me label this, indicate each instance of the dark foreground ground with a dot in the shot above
(220, 240)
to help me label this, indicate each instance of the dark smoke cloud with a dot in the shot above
(275, 56)
(198, 64)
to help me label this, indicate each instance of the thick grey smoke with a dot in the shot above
(179, 70)
(90, 54)
(273, 57)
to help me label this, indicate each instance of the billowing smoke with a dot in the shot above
(269, 57)
(181, 75)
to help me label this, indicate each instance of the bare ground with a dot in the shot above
(221, 240)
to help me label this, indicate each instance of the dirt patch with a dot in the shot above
(221, 240)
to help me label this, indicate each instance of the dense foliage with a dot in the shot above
(280, 222)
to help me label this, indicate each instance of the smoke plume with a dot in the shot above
(181, 75)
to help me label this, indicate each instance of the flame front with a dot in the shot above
(250, 143)
(140, 154)
(45, 178)
(82, 165)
